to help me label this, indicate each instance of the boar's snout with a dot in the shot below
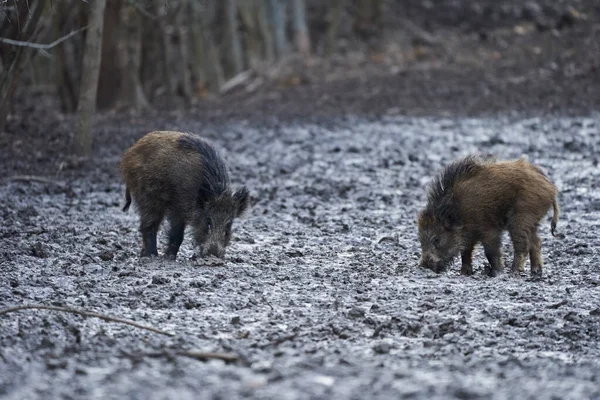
(433, 263)
(213, 249)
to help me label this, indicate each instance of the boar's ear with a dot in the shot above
(241, 199)
(453, 225)
(204, 193)
(425, 217)
(447, 213)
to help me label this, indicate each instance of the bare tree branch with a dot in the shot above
(143, 11)
(43, 46)
(84, 314)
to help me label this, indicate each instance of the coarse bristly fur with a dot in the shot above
(181, 177)
(439, 198)
(474, 200)
(216, 178)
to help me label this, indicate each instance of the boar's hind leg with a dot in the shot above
(149, 229)
(176, 232)
(535, 252)
(520, 241)
(492, 242)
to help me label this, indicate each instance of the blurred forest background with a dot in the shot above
(140, 54)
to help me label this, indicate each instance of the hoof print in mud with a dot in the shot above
(160, 280)
(39, 250)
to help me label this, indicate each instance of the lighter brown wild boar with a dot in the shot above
(474, 200)
(181, 177)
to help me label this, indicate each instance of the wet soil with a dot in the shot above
(319, 295)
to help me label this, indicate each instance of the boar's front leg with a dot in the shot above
(467, 257)
(176, 233)
(492, 242)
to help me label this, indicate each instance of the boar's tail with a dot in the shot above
(127, 199)
(555, 215)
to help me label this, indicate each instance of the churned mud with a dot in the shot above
(319, 295)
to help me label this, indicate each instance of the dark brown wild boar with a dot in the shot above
(474, 200)
(181, 177)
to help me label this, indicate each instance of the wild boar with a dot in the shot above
(181, 177)
(474, 200)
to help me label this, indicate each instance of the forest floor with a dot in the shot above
(319, 295)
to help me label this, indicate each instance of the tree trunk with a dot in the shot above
(249, 15)
(153, 63)
(235, 61)
(335, 14)
(300, 28)
(207, 60)
(69, 54)
(265, 30)
(167, 58)
(131, 94)
(278, 22)
(184, 51)
(89, 77)
(14, 58)
(110, 70)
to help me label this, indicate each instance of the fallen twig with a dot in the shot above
(34, 231)
(280, 340)
(84, 314)
(197, 355)
(558, 305)
(203, 356)
(379, 328)
(236, 81)
(35, 178)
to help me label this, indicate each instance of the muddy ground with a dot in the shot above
(319, 295)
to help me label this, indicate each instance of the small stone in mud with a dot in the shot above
(106, 255)
(28, 212)
(160, 280)
(294, 253)
(14, 283)
(382, 348)
(236, 320)
(39, 250)
(356, 312)
(56, 364)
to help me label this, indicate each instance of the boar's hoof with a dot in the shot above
(536, 273)
(466, 270)
(515, 272)
(494, 272)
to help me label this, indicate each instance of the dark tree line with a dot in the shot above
(117, 54)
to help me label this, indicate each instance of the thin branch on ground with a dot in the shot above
(37, 231)
(84, 314)
(42, 46)
(280, 341)
(197, 355)
(379, 328)
(34, 178)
